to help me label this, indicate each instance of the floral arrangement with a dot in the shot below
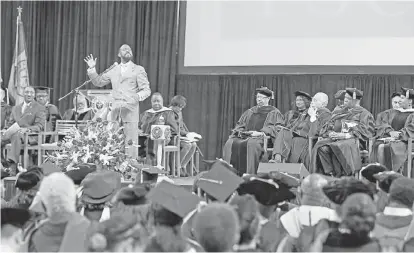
(100, 143)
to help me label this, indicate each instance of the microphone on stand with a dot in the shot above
(108, 69)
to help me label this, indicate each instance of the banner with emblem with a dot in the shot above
(19, 74)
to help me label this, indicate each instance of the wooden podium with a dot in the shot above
(159, 134)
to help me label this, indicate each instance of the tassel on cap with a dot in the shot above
(407, 93)
(354, 94)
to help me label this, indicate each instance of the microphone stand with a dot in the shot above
(76, 92)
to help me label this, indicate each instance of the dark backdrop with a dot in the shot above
(60, 34)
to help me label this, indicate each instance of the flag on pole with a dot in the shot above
(19, 74)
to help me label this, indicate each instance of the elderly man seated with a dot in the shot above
(339, 153)
(292, 145)
(157, 115)
(27, 117)
(244, 147)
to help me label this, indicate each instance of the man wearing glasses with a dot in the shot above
(52, 112)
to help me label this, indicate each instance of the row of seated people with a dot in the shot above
(339, 135)
(36, 114)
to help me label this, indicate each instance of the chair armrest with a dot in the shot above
(48, 133)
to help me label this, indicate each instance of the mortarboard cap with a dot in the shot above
(283, 177)
(370, 170)
(148, 174)
(4, 174)
(135, 195)
(265, 91)
(42, 88)
(395, 94)
(408, 93)
(340, 94)
(385, 179)
(49, 168)
(174, 198)
(77, 175)
(14, 216)
(337, 191)
(266, 190)
(220, 162)
(219, 182)
(303, 94)
(99, 187)
(355, 93)
(28, 180)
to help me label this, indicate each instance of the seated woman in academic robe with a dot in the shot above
(81, 110)
(393, 128)
(292, 145)
(302, 103)
(244, 148)
(338, 154)
(157, 115)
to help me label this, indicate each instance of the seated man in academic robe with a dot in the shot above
(157, 115)
(393, 128)
(244, 148)
(81, 110)
(338, 154)
(52, 112)
(27, 117)
(292, 144)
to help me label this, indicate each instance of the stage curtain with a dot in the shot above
(215, 103)
(60, 34)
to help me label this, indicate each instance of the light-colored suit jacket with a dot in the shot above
(133, 83)
(34, 117)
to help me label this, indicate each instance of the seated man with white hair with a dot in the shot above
(292, 145)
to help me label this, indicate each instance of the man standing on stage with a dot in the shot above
(129, 87)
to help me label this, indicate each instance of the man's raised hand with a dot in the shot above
(90, 61)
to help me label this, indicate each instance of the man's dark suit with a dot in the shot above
(33, 118)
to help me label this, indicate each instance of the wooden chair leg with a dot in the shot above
(192, 165)
(410, 158)
(197, 162)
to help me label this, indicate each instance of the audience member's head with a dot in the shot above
(179, 102)
(358, 214)
(216, 228)
(58, 195)
(339, 190)
(135, 195)
(13, 220)
(123, 232)
(310, 190)
(248, 212)
(42, 95)
(27, 185)
(385, 179)
(402, 193)
(368, 172)
(157, 102)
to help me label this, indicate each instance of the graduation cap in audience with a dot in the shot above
(266, 190)
(354, 93)
(283, 177)
(408, 93)
(303, 94)
(4, 173)
(148, 174)
(395, 94)
(370, 170)
(340, 94)
(134, 195)
(49, 168)
(385, 179)
(77, 175)
(14, 216)
(174, 198)
(221, 163)
(100, 187)
(219, 182)
(265, 91)
(337, 191)
(29, 179)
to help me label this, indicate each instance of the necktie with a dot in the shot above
(24, 107)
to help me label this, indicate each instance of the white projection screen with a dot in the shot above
(298, 36)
